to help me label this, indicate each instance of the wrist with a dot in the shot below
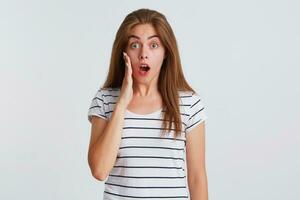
(121, 105)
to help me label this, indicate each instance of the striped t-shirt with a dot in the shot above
(148, 166)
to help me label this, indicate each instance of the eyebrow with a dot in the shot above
(137, 37)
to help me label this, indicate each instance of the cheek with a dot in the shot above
(133, 58)
(133, 55)
(160, 55)
(159, 58)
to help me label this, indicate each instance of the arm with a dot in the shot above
(105, 142)
(195, 155)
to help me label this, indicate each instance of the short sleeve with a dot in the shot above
(97, 106)
(196, 112)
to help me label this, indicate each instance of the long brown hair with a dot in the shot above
(171, 78)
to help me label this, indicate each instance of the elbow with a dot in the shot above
(99, 176)
(99, 170)
(97, 173)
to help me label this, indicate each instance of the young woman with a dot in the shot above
(147, 122)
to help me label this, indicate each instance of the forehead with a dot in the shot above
(143, 31)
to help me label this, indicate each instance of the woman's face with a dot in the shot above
(144, 46)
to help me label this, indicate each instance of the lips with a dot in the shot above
(144, 67)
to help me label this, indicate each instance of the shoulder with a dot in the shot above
(108, 93)
(193, 105)
(110, 96)
(186, 99)
(189, 97)
(194, 109)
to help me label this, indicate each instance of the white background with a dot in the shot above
(243, 57)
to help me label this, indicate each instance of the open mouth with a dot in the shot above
(144, 67)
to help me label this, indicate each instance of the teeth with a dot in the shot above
(144, 67)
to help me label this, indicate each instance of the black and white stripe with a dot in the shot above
(148, 166)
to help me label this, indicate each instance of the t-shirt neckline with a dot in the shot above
(152, 113)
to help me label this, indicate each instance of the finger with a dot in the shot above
(128, 60)
(126, 63)
(124, 56)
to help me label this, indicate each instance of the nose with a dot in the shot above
(144, 57)
(143, 53)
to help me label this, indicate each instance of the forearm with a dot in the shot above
(104, 152)
(198, 188)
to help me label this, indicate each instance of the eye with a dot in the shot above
(154, 45)
(134, 45)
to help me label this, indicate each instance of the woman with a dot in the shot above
(146, 119)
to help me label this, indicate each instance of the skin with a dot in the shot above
(195, 158)
(144, 45)
(146, 99)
